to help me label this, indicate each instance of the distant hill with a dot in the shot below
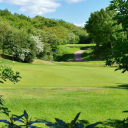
(47, 33)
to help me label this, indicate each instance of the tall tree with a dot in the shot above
(101, 29)
(4, 32)
(120, 48)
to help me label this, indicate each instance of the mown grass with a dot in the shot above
(84, 63)
(60, 75)
(62, 90)
(47, 103)
(51, 89)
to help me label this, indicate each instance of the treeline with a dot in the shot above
(26, 38)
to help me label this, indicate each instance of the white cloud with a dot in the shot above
(38, 7)
(74, 1)
(35, 7)
(80, 25)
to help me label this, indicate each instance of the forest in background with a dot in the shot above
(26, 38)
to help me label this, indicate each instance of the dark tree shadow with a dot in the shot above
(123, 86)
(119, 86)
(92, 47)
(109, 123)
(84, 122)
(6, 57)
(113, 123)
(81, 47)
(65, 57)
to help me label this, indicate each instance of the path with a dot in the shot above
(77, 55)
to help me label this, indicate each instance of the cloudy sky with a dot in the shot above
(73, 11)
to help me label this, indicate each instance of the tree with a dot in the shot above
(39, 45)
(50, 44)
(22, 46)
(101, 29)
(120, 49)
(4, 32)
(72, 38)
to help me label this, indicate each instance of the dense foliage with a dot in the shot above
(120, 49)
(25, 38)
(109, 30)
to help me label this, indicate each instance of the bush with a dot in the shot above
(22, 46)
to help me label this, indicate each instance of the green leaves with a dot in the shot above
(2, 108)
(6, 73)
(73, 124)
(101, 29)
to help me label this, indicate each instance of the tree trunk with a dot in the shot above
(111, 48)
(97, 48)
(2, 46)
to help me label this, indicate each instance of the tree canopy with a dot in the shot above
(26, 38)
(120, 49)
(109, 29)
(101, 28)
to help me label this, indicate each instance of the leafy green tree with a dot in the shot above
(72, 38)
(22, 46)
(101, 29)
(4, 33)
(39, 45)
(50, 44)
(47, 53)
(120, 49)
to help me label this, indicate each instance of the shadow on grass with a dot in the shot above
(6, 57)
(119, 86)
(113, 123)
(92, 47)
(81, 47)
(65, 57)
(123, 86)
(84, 122)
(92, 57)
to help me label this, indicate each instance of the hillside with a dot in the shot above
(27, 38)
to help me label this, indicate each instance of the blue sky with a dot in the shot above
(73, 11)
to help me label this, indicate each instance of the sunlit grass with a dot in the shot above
(48, 90)
(95, 104)
(59, 75)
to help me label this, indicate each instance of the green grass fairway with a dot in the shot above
(34, 75)
(62, 90)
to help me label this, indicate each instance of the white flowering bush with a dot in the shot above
(23, 55)
(39, 43)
